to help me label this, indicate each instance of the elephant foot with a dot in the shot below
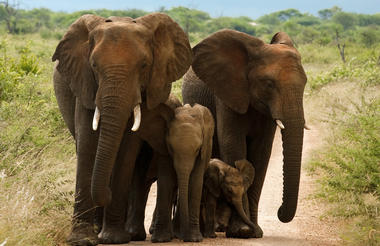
(193, 236)
(257, 232)
(209, 231)
(111, 235)
(82, 235)
(161, 235)
(137, 233)
(244, 231)
(220, 228)
(151, 229)
(209, 234)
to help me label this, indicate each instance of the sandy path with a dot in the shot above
(306, 228)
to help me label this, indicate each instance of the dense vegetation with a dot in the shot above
(302, 27)
(37, 156)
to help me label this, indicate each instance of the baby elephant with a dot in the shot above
(189, 141)
(224, 183)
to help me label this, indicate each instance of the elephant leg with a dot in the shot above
(84, 210)
(259, 151)
(113, 230)
(209, 216)
(222, 216)
(195, 195)
(98, 220)
(232, 129)
(166, 184)
(176, 219)
(145, 174)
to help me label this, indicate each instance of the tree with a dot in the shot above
(326, 14)
(287, 14)
(189, 19)
(241, 24)
(340, 47)
(347, 20)
(279, 16)
(370, 36)
(9, 14)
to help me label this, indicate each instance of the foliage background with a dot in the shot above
(37, 155)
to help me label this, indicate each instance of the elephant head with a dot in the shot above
(232, 183)
(244, 72)
(113, 65)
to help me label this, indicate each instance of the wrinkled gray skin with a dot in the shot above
(248, 85)
(189, 141)
(113, 64)
(223, 183)
(153, 162)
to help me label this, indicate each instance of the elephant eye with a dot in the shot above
(229, 189)
(269, 84)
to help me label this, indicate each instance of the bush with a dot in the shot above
(350, 170)
(366, 71)
(370, 36)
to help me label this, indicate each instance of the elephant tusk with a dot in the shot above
(95, 121)
(307, 127)
(137, 116)
(279, 123)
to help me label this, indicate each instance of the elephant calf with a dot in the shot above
(189, 141)
(224, 183)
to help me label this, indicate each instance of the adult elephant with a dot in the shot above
(107, 68)
(250, 87)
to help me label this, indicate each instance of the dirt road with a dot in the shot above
(306, 228)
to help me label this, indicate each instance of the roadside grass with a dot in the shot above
(348, 166)
(37, 168)
(362, 66)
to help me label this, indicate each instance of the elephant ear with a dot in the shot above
(208, 132)
(172, 56)
(72, 53)
(282, 38)
(221, 61)
(154, 124)
(247, 171)
(212, 179)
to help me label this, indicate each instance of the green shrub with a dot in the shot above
(350, 170)
(366, 70)
(45, 33)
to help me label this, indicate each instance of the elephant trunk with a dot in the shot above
(183, 187)
(238, 204)
(183, 167)
(111, 132)
(292, 138)
(115, 113)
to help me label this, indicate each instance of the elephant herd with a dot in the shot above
(208, 155)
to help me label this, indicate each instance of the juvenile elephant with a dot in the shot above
(223, 183)
(250, 87)
(189, 141)
(153, 159)
(107, 69)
